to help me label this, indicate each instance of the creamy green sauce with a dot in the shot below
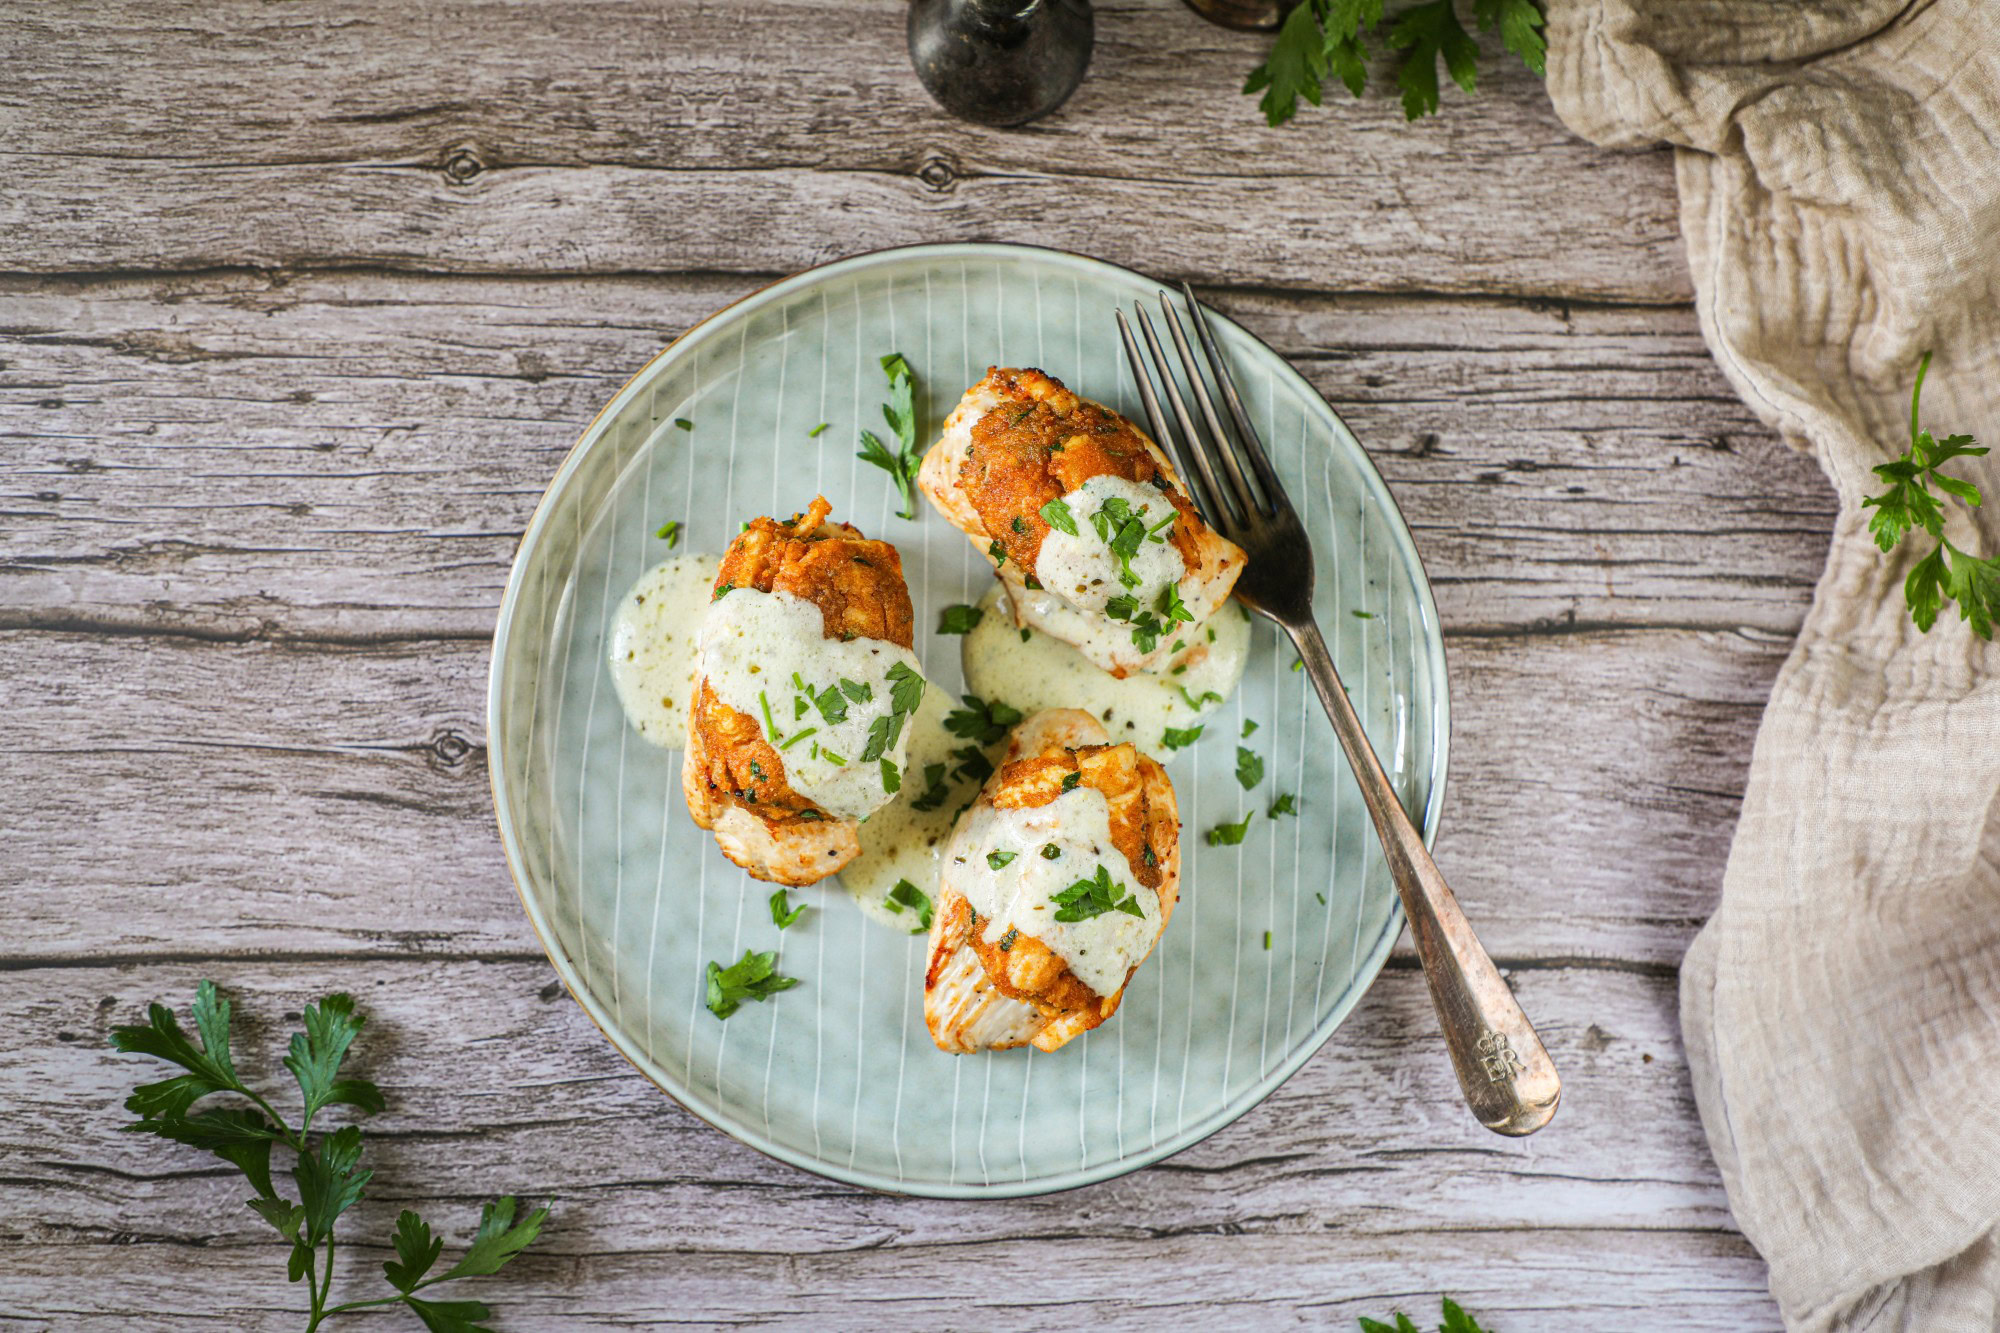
(765, 654)
(653, 648)
(1011, 864)
(1042, 672)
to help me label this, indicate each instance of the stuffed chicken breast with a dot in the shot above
(1055, 886)
(1083, 517)
(805, 681)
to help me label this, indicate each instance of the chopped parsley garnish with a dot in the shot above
(972, 766)
(986, 723)
(1286, 804)
(832, 706)
(683, 423)
(1024, 634)
(906, 894)
(1123, 532)
(783, 914)
(754, 976)
(796, 737)
(723, 592)
(1228, 835)
(1170, 605)
(1122, 607)
(1249, 726)
(1176, 738)
(892, 777)
(830, 756)
(997, 860)
(960, 619)
(935, 789)
(859, 691)
(1070, 780)
(1298, 664)
(1362, 615)
(814, 433)
(906, 688)
(1032, 583)
(882, 735)
(900, 413)
(670, 533)
(1249, 767)
(1057, 515)
(1267, 940)
(1195, 701)
(998, 552)
(771, 732)
(1007, 940)
(1050, 851)
(1092, 897)
(1164, 525)
(1019, 524)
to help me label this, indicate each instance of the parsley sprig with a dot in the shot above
(901, 414)
(1947, 574)
(1456, 1320)
(754, 976)
(1324, 39)
(1093, 897)
(326, 1170)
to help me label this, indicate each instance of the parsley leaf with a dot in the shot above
(1947, 573)
(1093, 897)
(1057, 515)
(960, 619)
(1286, 804)
(906, 894)
(900, 412)
(936, 789)
(832, 705)
(783, 914)
(1249, 767)
(326, 1171)
(754, 976)
(1322, 39)
(1456, 1320)
(997, 860)
(980, 721)
(670, 533)
(1228, 835)
(906, 688)
(1176, 738)
(892, 777)
(814, 433)
(683, 423)
(1195, 701)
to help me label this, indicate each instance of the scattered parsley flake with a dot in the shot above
(1286, 804)
(783, 914)
(754, 976)
(816, 431)
(997, 860)
(1249, 767)
(1228, 835)
(960, 619)
(670, 533)
(683, 423)
(1177, 738)
(906, 894)
(1249, 726)
(1058, 516)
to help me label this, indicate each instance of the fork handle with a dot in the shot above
(1503, 1068)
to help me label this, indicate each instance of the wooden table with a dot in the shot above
(303, 303)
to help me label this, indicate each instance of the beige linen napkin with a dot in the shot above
(1839, 172)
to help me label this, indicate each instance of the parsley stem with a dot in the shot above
(1917, 393)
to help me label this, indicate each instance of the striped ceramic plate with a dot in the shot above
(1275, 939)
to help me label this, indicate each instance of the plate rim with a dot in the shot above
(1232, 1110)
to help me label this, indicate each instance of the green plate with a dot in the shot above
(839, 1075)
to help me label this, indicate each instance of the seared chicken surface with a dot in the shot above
(1084, 517)
(818, 613)
(1056, 886)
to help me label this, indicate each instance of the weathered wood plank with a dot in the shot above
(173, 795)
(768, 136)
(1361, 1182)
(355, 455)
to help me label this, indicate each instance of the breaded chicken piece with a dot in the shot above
(1017, 441)
(733, 776)
(1014, 990)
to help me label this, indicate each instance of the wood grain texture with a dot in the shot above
(1357, 1185)
(301, 307)
(485, 136)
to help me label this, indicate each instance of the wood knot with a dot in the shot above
(938, 172)
(450, 748)
(462, 164)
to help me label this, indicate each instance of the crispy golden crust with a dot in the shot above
(1017, 440)
(857, 584)
(1145, 827)
(1040, 443)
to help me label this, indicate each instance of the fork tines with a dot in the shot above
(1230, 494)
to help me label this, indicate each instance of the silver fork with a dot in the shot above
(1502, 1067)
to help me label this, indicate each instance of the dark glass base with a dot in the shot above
(1000, 63)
